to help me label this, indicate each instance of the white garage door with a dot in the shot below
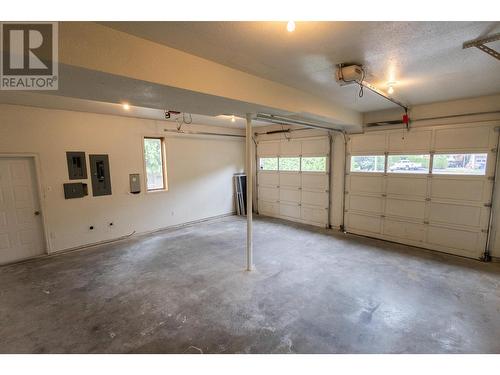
(428, 187)
(293, 179)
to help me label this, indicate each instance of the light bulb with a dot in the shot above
(390, 90)
(126, 106)
(290, 26)
(233, 119)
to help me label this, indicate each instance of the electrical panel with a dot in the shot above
(101, 180)
(77, 166)
(75, 190)
(135, 183)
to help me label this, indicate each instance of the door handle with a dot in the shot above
(37, 213)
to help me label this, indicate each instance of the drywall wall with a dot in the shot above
(199, 171)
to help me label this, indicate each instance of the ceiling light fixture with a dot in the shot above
(126, 106)
(233, 119)
(390, 89)
(290, 26)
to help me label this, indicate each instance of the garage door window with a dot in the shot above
(268, 164)
(460, 164)
(408, 163)
(314, 164)
(368, 163)
(289, 164)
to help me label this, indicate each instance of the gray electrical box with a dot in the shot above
(135, 183)
(77, 165)
(75, 190)
(101, 180)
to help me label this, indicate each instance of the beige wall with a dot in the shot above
(200, 173)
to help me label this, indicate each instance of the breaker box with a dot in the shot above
(101, 179)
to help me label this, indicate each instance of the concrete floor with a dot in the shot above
(314, 291)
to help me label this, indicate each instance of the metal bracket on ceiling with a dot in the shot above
(480, 44)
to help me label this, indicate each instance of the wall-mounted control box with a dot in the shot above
(101, 180)
(135, 183)
(77, 165)
(75, 190)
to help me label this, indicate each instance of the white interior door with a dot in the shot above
(21, 230)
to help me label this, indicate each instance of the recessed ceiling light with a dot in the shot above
(233, 119)
(290, 26)
(126, 106)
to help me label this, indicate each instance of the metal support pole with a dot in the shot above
(249, 173)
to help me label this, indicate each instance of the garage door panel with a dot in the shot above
(458, 188)
(290, 148)
(414, 141)
(406, 230)
(290, 210)
(407, 186)
(366, 184)
(365, 203)
(289, 195)
(367, 142)
(315, 198)
(269, 208)
(462, 138)
(268, 194)
(315, 215)
(290, 179)
(454, 238)
(315, 147)
(316, 181)
(268, 148)
(455, 214)
(364, 223)
(269, 178)
(405, 208)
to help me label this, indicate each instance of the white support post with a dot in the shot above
(249, 172)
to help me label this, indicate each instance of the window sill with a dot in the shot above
(156, 191)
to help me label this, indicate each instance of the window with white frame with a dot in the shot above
(368, 163)
(460, 164)
(291, 164)
(155, 163)
(415, 163)
(313, 164)
(268, 164)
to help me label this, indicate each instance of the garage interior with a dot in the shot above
(368, 221)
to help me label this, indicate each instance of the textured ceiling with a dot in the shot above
(425, 59)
